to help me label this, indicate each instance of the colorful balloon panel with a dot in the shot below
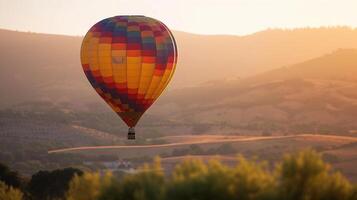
(129, 60)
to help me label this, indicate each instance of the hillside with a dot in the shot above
(47, 103)
(317, 95)
(302, 98)
(339, 65)
(225, 57)
(42, 67)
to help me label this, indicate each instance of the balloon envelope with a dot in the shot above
(129, 60)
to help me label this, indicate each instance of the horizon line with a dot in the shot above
(202, 34)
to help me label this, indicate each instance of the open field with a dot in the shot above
(340, 151)
(204, 140)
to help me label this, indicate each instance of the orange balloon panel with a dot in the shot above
(129, 60)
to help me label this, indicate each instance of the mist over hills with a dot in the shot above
(274, 82)
(40, 67)
(290, 81)
(339, 65)
(217, 57)
(47, 67)
(317, 95)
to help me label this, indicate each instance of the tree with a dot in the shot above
(147, 184)
(252, 180)
(10, 177)
(9, 193)
(305, 175)
(192, 179)
(300, 176)
(51, 184)
(88, 186)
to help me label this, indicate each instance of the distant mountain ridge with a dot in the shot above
(47, 67)
(271, 83)
(338, 65)
(206, 58)
(41, 74)
(315, 95)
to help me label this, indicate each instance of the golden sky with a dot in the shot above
(235, 17)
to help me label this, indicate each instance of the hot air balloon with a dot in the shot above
(129, 60)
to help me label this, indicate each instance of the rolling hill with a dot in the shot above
(317, 95)
(43, 67)
(41, 75)
(280, 83)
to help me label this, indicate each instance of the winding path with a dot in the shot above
(216, 141)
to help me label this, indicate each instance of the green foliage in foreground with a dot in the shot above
(300, 176)
(51, 184)
(9, 193)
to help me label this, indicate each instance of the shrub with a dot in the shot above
(252, 180)
(10, 177)
(305, 175)
(9, 193)
(88, 186)
(299, 176)
(51, 184)
(147, 184)
(192, 179)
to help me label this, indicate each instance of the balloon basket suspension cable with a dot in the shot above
(131, 133)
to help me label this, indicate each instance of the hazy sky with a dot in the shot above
(238, 17)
